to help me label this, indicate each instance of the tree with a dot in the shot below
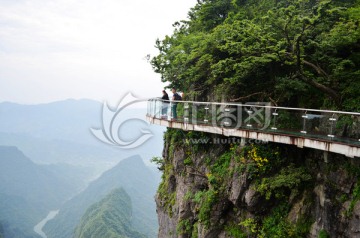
(282, 51)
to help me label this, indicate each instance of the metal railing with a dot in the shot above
(325, 125)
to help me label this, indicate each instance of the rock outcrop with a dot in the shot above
(231, 191)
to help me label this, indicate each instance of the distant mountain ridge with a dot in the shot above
(134, 177)
(64, 126)
(27, 192)
(68, 120)
(110, 218)
(57, 135)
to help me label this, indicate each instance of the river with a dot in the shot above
(38, 228)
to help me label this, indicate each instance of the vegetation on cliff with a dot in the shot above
(279, 51)
(254, 190)
(298, 53)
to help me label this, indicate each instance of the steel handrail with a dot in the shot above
(261, 106)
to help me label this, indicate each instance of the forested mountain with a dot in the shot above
(134, 177)
(283, 52)
(57, 137)
(110, 218)
(27, 192)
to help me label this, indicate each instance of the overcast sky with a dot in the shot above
(57, 49)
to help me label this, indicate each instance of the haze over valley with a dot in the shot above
(51, 162)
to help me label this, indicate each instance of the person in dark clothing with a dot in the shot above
(174, 104)
(165, 95)
(165, 103)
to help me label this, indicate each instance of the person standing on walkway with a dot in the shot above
(175, 97)
(165, 103)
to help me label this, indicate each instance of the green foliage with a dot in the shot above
(303, 226)
(220, 170)
(343, 198)
(289, 178)
(188, 196)
(355, 198)
(323, 234)
(111, 217)
(352, 169)
(219, 173)
(235, 231)
(188, 161)
(258, 160)
(250, 225)
(285, 50)
(194, 233)
(289, 120)
(175, 138)
(184, 227)
(276, 225)
(191, 139)
(159, 161)
(204, 203)
(167, 197)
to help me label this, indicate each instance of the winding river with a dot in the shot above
(38, 228)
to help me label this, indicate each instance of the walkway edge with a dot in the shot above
(335, 147)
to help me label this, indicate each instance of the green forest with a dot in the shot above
(278, 51)
(111, 217)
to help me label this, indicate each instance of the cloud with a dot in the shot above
(82, 48)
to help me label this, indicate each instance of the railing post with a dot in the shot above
(227, 121)
(332, 120)
(275, 114)
(249, 112)
(206, 117)
(305, 116)
(186, 112)
(193, 114)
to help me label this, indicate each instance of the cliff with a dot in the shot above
(292, 54)
(224, 189)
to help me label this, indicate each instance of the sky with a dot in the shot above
(58, 49)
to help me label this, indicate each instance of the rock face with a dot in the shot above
(211, 192)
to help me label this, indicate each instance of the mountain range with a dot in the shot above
(50, 160)
(27, 192)
(134, 177)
